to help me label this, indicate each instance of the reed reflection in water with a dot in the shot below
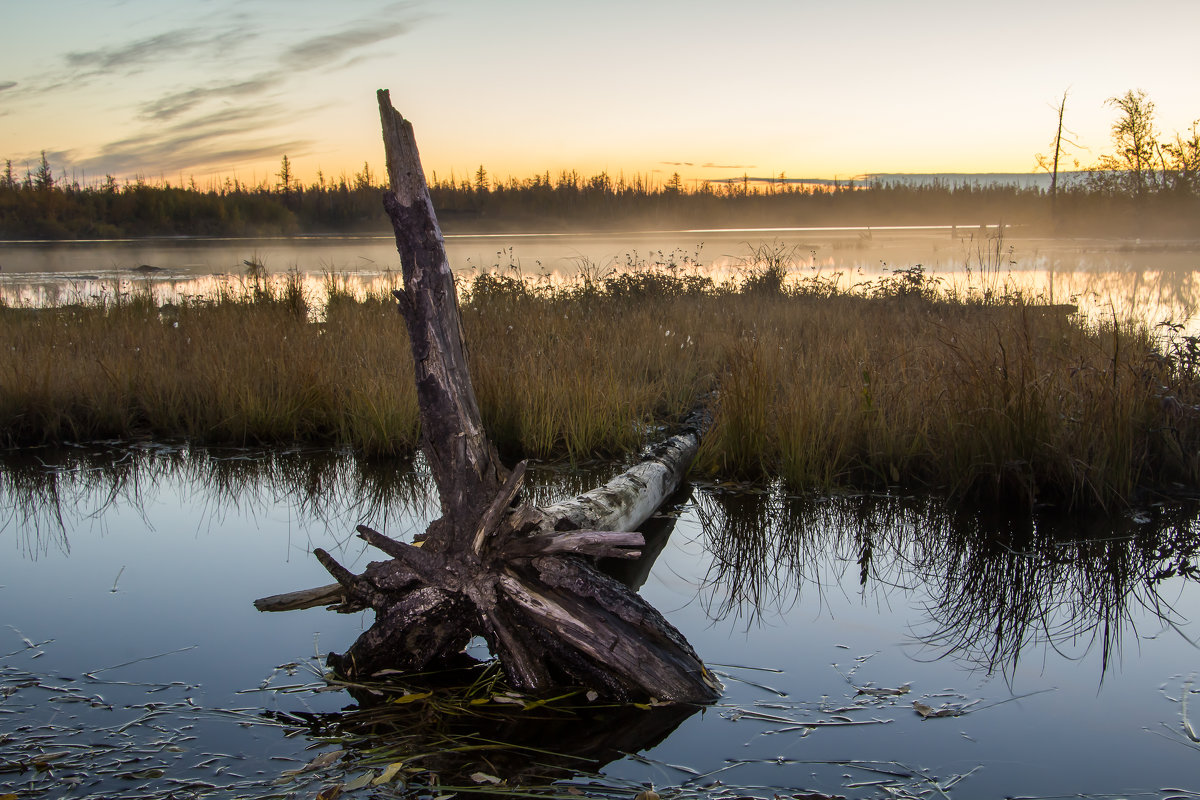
(956, 589)
(990, 588)
(44, 492)
(47, 491)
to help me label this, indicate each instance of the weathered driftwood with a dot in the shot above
(625, 503)
(492, 565)
(328, 595)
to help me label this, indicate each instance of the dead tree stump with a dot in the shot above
(519, 576)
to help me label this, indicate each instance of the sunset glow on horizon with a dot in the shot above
(215, 88)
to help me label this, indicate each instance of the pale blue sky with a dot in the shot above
(813, 89)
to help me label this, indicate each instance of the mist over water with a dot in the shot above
(1148, 280)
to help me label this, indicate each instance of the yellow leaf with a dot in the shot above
(412, 698)
(361, 781)
(388, 774)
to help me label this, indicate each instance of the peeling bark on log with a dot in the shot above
(628, 500)
(492, 565)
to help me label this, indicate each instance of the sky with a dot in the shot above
(822, 89)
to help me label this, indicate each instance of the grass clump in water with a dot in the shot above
(900, 382)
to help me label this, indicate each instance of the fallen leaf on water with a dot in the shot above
(361, 781)
(330, 792)
(323, 760)
(389, 773)
(483, 777)
(872, 691)
(927, 711)
(646, 794)
(412, 698)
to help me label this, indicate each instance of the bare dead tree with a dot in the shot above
(492, 565)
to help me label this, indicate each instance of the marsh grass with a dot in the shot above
(900, 382)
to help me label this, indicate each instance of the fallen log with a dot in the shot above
(625, 503)
(629, 499)
(493, 565)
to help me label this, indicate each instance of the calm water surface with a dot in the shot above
(1062, 647)
(1149, 280)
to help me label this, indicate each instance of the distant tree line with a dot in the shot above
(1148, 185)
(41, 206)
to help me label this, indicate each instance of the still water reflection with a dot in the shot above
(1152, 280)
(1050, 654)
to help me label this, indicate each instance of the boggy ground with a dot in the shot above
(987, 394)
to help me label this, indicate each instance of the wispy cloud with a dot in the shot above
(137, 54)
(707, 165)
(320, 51)
(217, 142)
(81, 68)
(6, 85)
(226, 118)
(172, 105)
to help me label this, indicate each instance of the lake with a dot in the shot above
(1052, 656)
(1150, 280)
(870, 645)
